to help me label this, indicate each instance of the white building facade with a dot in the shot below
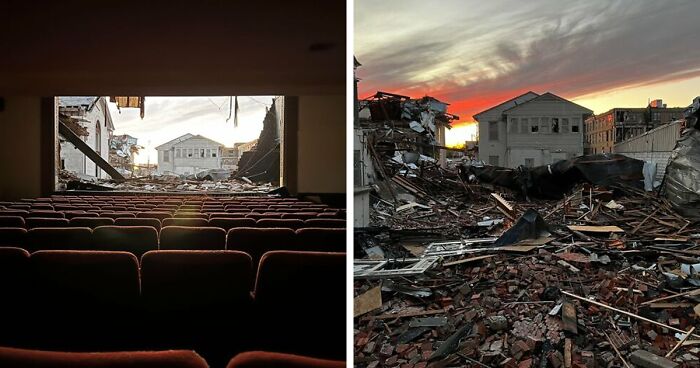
(189, 154)
(531, 130)
(92, 113)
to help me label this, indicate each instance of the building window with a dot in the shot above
(493, 131)
(208, 153)
(555, 125)
(201, 153)
(544, 125)
(529, 162)
(534, 128)
(523, 125)
(189, 152)
(166, 156)
(214, 152)
(513, 128)
(493, 160)
(655, 116)
(564, 125)
(178, 153)
(574, 125)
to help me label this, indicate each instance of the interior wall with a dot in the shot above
(20, 165)
(321, 144)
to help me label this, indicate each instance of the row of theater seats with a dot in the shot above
(15, 358)
(224, 222)
(208, 301)
(141, 239)
(163, 213)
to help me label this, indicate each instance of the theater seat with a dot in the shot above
(12, 237)
(91, 222)
(191, 215)
(325, 222)
(15, 358)
(321, 239)
(300, 215)
(11, 221)
(275, 222)
(45, 214)
(192, 238)
(185, 222)
(128, 221)
(134, 239)
(197, 281)
(263, 359)
(65, 238)
(258, 241)
(294, 314)
(93, 295)
(160, 215)
(32, 222)
(230, 223)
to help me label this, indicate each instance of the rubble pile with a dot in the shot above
(605, 277)
(214, 180)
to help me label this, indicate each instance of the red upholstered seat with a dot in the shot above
(134, 239)
(192, 238)
(65, 238)
(32, 222)
(230, 223)
(45, 214)
(300, 215)
(263, 359)
(12, 237)
(321, 239)
(11, 221)
(160, 215)
(91, 222)
(79, 213)
(9, 212)
(325, 222)
(117, 214)
(225, 215)
(185, 222)
(196, 281)
(275, 222)
(13, 357)
(298, 295)
(258, 241)
(129, 221)
(191, 215)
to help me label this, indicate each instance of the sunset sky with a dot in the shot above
(167, 118)
(474, 54)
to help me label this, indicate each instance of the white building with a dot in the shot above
(531, 130)
(92, 113)
(189, 154)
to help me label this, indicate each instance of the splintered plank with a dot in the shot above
(595, 229)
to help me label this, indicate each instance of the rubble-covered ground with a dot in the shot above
(621, 285)
(207, 181)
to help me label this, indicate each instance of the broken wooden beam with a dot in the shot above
(89, 152)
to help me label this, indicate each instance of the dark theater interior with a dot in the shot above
(136, 279)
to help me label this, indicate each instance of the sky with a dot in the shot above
(475, 55)
(167, 118)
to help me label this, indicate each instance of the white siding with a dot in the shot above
(190, 165)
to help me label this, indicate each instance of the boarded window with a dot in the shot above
(208, 152)
(529, 162)
(166, 156)
(493, 131)
(493, 160)
(513, 128)
(178, 153)
(564, 125)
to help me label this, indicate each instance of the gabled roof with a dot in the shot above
(183, 138)
(515, 101)
(548, 96)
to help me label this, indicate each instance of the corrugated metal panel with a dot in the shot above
(661, 139)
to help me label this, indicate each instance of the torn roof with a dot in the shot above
(71, 101)
(548, 96)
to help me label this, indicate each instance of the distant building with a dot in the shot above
(189, 154)
(92, 114)
(531, 130)
(616, 125)
(231, 156)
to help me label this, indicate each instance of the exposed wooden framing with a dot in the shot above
(89, 152)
